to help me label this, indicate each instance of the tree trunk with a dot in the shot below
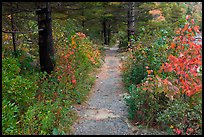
(109, 33)
(128, 24)
(13, 35)
(105, 32)
(46, 49)
(82, 14)
(131, 21)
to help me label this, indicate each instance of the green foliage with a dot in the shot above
(150, 52)
(63, 30)
(9, 117)
(56, 132)
(38, 103)
(10, 67)
(122, 39)
(16, 88)
(53, 103)
(144, 105)
(174, 15)
(153, 101)
(145, 58)
(40, 108)
(25, 60)
(136, 74)
(39, 119)
(82, 89)
(180, 114)
(41, 103)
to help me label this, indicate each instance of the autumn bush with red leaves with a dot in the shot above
(79, 54)
(184, 66)
(187, 61)
(174, 92)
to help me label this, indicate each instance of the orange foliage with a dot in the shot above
(188, 60)
(78, 43)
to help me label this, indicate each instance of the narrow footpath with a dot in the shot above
(105, 113)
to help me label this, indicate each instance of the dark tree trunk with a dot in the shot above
(13, 35)
(128, 24)
(131, 21)
(83, 22)
(105, 32)
(46, 49)
(132, 18)
(109, 33)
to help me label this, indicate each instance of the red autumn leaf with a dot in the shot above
(188, 17)
(189, 93)
(165, 81)
(192, 21)
(198, 87)
(59, 78)
(170, 69)
(187, 60)
(181, 55)
(149, 71)
(72, 53)
(196, 29)
(186, 75)
(185, 28)
(189, 30)
(177, 131)
(172, 45)
(73, 81)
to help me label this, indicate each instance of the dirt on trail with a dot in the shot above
(105, 112)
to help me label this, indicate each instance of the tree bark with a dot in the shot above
(128, 24)
(132, 18)
(109, 33)
(46, 49)
(13, 35)
(105, 32)
(82, 14)
(131, 21)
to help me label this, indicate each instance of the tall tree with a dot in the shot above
(13, 34)
(46, 49)
(109, 33)
(105, 31)
(131, 21)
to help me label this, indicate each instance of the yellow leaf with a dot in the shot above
(149, 71)
(9, 16)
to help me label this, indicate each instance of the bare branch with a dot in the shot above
(4, 31)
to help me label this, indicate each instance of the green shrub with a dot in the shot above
(159, 98)
(138, 73)
(41, 103)
(10, 113)
(82, 89)
(39, 119)
(10, 67)
(144, 105)
(52, 108)
(25, 60)
(184, 115)
(123, 41)
(16, 88)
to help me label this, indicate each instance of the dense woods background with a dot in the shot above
(49, 50)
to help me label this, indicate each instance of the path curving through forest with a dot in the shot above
(105, 113)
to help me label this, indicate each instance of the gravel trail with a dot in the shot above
(105, 113)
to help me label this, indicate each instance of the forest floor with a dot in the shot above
(105, 111)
